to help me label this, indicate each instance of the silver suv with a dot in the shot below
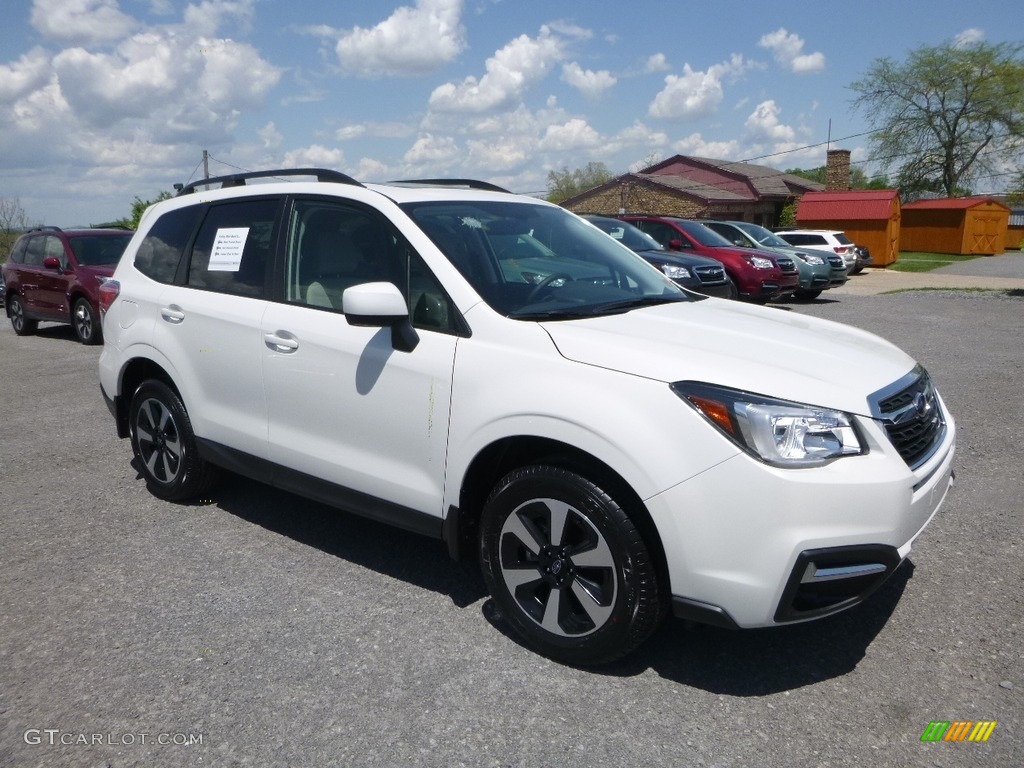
(494, 371)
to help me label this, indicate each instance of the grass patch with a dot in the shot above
(916, 261)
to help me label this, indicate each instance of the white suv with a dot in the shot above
(494, 371)
(825, 240)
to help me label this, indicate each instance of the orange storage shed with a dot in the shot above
(965, 225)
(869, 217)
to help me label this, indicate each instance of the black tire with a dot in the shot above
(21, 324)
(164, 444)
(85, 322)
(734, 292)
(807, 295)
(567, 567)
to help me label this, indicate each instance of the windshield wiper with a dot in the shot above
(625, 305)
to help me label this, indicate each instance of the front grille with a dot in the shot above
(912, 417)
(786, 264)
(836, 262)
(710, 274)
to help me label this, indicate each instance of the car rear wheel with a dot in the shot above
(21, 324)
(807, 295)
(164, 444)
(83, 320)
(567, 567)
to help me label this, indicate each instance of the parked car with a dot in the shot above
(54, 274)
(696, 273)
(757, 277)
(608, 445)
(863, 257)
(825, 240)
(818, 271)
(3, 289)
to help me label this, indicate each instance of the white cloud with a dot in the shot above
(81, 21)
(698, 146)
(763, 124)
(412, 40)
(969, 37)
(572, 135)
(510, 71)
(314, 156)
(270, 136)
(431, 150)
(588, 82)
(788, 51)
(695, 93)
(494, 156)
(656, 63)
(28, 73)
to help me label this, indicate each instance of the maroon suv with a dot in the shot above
(55, 274)
(757, 277)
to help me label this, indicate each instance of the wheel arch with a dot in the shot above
(502, 456)
(138, 370)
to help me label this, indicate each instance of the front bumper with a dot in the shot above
(749, 545)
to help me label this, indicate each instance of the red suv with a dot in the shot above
(757, 277)
(55, 274)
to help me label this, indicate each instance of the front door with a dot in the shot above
(344, 405)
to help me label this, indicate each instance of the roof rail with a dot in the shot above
(468, 183)
(239, 179)
(46, 228)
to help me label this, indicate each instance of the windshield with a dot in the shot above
(763, 236)
(540, 262)
(703, 235)
(92, 250)
(631, 237)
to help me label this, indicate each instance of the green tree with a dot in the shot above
(564, 184)
(139, 207)
(947, 116)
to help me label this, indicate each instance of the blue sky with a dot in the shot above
(103, 100)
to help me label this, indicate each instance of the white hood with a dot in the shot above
(767, 351)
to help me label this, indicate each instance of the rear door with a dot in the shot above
(210, 325)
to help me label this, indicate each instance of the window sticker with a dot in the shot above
(228, 245)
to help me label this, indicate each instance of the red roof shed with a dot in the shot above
(869, 217)
(975, 225)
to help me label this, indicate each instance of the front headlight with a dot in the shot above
(675, 272)
(760, 262)
(778, 432)
(812, 259)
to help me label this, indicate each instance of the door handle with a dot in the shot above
(172, 314)
(281, 341)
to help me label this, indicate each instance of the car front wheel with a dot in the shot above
(567, 567)
(21, 324)
(164, 444)
(83, 320)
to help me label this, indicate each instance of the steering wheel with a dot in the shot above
(546, 282)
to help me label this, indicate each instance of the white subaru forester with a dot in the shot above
(494, 371)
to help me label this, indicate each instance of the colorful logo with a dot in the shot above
(959, 730)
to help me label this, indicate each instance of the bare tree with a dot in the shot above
(13, 221)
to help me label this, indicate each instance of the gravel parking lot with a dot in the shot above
(258, 629)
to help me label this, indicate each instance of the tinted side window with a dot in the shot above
(18, 253)
(333, 246)
(160, 252)
(233, 248)
(36, 251)
(55, 248)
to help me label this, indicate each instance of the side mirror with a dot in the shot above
(675, 244)
(377, 305)
(52, 262)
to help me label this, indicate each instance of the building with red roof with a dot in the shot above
(963, 225)
(869, 217)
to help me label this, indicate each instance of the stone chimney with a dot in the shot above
(837, 170)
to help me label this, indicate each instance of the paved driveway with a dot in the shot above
(258, 629)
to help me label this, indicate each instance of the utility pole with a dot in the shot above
(206, 164)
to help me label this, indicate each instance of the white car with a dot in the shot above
(825, 240)
(608, 445)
